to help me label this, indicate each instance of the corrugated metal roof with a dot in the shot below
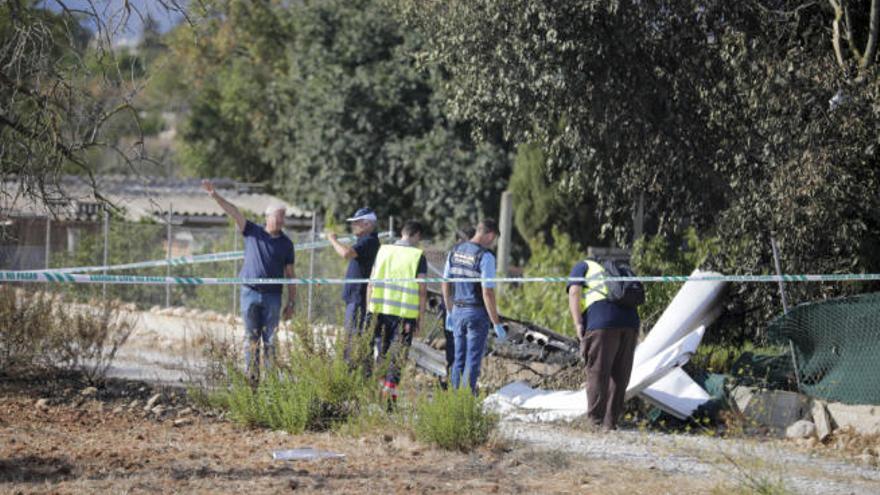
(144, 197)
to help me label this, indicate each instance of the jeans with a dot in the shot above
(260, 312)
(355, 321)
(470, 335)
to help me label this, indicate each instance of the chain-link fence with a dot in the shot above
(836, 346)
(36, 244)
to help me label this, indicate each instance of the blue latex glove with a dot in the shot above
(500, 334)
(450, 322)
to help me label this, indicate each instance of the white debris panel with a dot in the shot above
(657, 376)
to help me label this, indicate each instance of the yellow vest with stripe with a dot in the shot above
(395, 298)
(594, 290)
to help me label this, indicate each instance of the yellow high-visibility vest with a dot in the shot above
(594, 290)
(395, 298)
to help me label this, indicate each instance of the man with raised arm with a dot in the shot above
(268, 253)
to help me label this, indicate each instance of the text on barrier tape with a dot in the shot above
(63, 277)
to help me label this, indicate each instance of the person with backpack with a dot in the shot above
(607, 322)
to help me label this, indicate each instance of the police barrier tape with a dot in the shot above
(195, 259)
(63, 277)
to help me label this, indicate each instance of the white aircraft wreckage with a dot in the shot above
(657, 376)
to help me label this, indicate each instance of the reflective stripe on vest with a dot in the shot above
(595, 290)
(464, 262)
(395, 298)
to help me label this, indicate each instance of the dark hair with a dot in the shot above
(466, 233)
(488, 226)
(411, 228)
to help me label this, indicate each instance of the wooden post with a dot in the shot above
(505, 225)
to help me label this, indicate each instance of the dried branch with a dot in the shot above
(873, 28)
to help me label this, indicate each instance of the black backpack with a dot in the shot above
(631, 293)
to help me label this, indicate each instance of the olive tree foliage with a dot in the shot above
(601, 86)
(61, 87)
(744, 120)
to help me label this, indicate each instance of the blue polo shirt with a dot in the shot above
(603, 314)
(265, 256)
(366, 248)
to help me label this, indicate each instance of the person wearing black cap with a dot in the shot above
(361, 256)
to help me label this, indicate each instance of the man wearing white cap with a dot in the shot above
(361, 256)
(268, 253)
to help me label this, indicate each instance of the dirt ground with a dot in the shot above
(61, 437)
(97, 442)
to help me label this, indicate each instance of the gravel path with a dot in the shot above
(742, 462)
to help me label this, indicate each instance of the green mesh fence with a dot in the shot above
(837, 346)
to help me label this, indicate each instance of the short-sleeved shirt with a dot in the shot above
(265, 256)
(361, 266)
(604, 313)
(487, 268)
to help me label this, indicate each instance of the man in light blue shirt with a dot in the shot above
(472, 309)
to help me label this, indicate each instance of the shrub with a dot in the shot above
(661, 256)
(454, 420)
(311, 388)
(40, 331)
(87, 339)
(545, 304)
(25, 323)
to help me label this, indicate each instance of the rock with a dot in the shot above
(822, 420)
(293, 484)
(800, 429)
(134, 404)
(867, 459)
(42, 405)
(89, 392)
(155, 309)
(184, 412)
(118, 410)
(152, 402)
(158, 410)
(182, 422)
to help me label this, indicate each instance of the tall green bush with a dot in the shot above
(545, 303)
(312, 387)
(659, 255)
(454, 420)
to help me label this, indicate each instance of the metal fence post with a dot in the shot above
(776, 261)
(106, 249)
(48, 237)
(314, 237)
(234, 268)
(168, 249)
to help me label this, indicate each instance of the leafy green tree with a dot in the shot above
(737, 118)
(224, 67)
(541, 205)
(358, 123)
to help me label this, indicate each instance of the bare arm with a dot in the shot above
(446, 289)
(491, 307)
(574, 307)
(228, 207)
(341, 249)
